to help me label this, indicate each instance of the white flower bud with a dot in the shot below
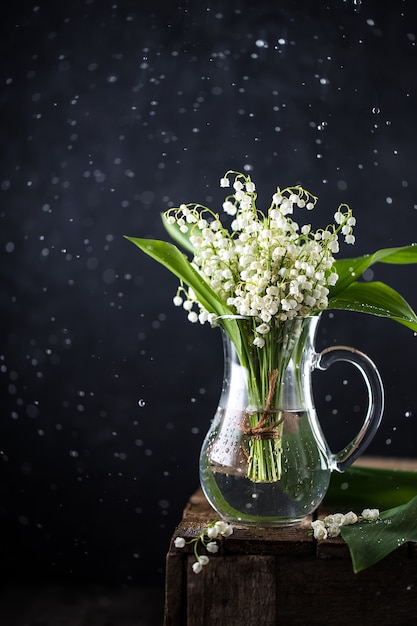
(317, 523)
(220, 525)
(320, 533)
(263, 329)
(338, 519)
(192, 317)
(370, 514)
(197, 567)
(227, 531)
(203, 317)
(229, 207)
(212, 532)
(334, 246)
(350, 518)
(333, 530)
(212, 547)
(332, 279)
(179, 542)
(319, 530)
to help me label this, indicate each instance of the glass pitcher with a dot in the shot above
(265, 461)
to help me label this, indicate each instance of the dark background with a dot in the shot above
(111, 112)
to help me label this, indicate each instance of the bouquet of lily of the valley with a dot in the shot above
(251, 272)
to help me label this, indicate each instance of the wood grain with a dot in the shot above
(277, 576)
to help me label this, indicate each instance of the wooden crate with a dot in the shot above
(269, 577)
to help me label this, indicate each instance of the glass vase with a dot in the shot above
(265, 460)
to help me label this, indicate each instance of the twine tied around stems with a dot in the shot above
(264, 430)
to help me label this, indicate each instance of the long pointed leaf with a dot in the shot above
(350, 269)
(359, 487)
(369, 542)
(168, 255)
(375, 298)
(396, 256)
(390, 490)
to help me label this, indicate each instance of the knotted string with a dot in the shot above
(261, 430)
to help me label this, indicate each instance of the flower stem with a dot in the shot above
(265, 439)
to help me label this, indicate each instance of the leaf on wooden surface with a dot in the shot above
(369, 542)
(390, 490)
(370, 487)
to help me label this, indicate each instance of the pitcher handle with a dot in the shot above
(343, 459)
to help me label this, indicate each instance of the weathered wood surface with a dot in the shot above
(274, 576)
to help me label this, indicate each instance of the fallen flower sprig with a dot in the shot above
(331, 525)
(211, 532)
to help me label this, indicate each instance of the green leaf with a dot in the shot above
(168, 255)
(360, 487)
(182, 239)
(390, 490)
(375, 298)
(396, 256)
(350, 269)
(369, 542)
